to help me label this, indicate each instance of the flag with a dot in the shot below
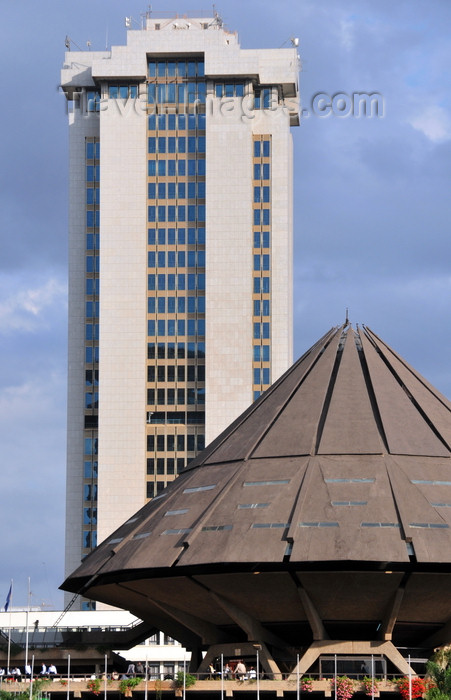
(8, 597)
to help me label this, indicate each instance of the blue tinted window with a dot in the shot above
(256, 149)
(161, 167)
(151, 93)
(191, 282)
(151, 168)
(151, 190)
(151, 236)
(170, 96)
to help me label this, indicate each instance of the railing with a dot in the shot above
(249, 676)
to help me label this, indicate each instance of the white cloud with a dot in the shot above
(434, 123)
(25, 308)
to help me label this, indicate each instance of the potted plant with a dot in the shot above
(94, 685)
(307, 684)
(344, 687)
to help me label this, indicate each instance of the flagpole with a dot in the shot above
(68, 677)
(31, 677)
(8, 607)
(105, 677)
(26, 623)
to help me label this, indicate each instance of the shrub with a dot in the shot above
(189, 679)
(418, 687)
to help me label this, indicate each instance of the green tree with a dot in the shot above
(439, 670)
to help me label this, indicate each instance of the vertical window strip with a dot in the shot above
(92, 252)
(261, 361)
(176, 267)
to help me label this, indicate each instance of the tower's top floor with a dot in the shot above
(182, 37)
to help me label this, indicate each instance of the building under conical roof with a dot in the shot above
(320, 517)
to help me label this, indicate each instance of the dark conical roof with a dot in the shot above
(343, 463)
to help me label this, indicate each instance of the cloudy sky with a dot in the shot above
(372, 212)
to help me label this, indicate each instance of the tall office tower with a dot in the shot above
(180, 284)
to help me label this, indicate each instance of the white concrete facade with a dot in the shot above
(121, 126)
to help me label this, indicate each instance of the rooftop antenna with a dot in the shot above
(294, 41)
(68, 43)
(347, 318)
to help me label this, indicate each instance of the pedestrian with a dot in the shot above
(240, 671)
